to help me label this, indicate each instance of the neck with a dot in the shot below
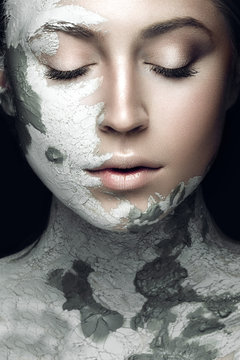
(71, 236)
(112, 259)
(143, 282)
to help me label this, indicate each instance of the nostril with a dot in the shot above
(137, 129)
(108, 129)
(114, 130)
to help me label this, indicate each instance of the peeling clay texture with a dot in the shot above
(22, 27)
(44, 43)
(166, 288)
(101, 295)
(141, 220)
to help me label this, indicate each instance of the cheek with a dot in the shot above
(70, 138)
(61, 131)
(56, 113)
(188, 122)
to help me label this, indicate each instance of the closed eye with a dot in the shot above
(181, 72)
(55, 74)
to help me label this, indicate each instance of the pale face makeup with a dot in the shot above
(121, 114)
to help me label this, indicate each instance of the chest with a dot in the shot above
(35, 324)
(65, 315)
(37, 321)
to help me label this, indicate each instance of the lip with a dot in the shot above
(125, 179)
(124, 174)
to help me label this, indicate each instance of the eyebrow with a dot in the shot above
(173, 24)
(71, 29)
(152, 31)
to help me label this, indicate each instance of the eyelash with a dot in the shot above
(177, 73)
(54, 74)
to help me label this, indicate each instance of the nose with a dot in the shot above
(124, 107)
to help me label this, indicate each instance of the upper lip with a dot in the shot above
(123, 162)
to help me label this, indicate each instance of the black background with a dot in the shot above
(25, 201)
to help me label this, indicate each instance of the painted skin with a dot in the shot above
(110, 295)
(85, 297)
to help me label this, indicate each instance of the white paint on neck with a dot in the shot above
(220, 258)
(115, 259)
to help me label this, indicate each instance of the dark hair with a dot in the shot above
(231, 10)
(2, 27)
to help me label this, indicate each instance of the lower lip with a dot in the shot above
(114, 179)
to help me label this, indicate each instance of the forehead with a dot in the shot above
(25, 15)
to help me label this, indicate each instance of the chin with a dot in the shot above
(125, 217)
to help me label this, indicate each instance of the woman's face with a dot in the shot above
(121, 103)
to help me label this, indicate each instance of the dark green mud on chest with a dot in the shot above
(96, 320)
(160, 282)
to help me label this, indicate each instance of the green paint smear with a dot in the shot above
(27, 102)
(139, 221)
(151, 214)
(160, 281)
(199, 324)
(54, 155)
(96, 320)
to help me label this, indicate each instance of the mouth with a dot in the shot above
(125, 179)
